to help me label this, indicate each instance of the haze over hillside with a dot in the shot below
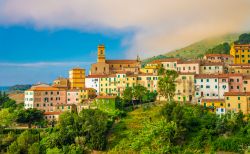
(198, 48)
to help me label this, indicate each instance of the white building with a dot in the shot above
(28, 99)
(212, 68)
(93, 81)
(208, 86)
(189, 66)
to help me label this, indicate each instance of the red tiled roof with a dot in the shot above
(212, 64)
(44, 89)
(242, 65)
(237, 94)
(218, 55)
(187, 73)
(241, 45)
(216, 75)
(123, 61)
(212, 100)
(189, 62)
(52, 113)
(105, 97)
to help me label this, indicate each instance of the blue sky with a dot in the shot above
(42, 39)
(31, 55)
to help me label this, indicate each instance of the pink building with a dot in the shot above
(44, 97)
(189, 66)
(73, 96)
(235, 82)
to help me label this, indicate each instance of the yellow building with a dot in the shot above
(237, 101)
(77, 78)
(150, 81)
(87, 93)
(61, 83)
(151, 68)
(185, 87)
(241, 53)
(213, 104)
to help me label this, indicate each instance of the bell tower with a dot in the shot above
(101, 53)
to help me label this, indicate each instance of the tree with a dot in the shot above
(54, 150)
(220, 49)
(128, 95)
(139, 91)
(9, 103)
(149, 97)
(6, 118)
(23, 142)
(166, 84)
(243, 39)
(161, 71)
(29, 116)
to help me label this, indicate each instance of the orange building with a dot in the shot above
(77, 78)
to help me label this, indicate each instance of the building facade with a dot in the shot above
(106, 67)
(77, 78)
(237, 101)
(44, 98)
(241, 53)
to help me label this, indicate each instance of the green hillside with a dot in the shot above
(199, 48)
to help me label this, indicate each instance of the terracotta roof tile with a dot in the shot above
(105, 97)
(212, 100)
(123, 61)
(242, 65)
(219, 55)
(52, 113)
(44, 89)
(212, 64)
(237, 94)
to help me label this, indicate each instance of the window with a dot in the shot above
(238, 98)
(227, 98)
(238, 105)
(207, 86)
(207, 80)
(228, 105)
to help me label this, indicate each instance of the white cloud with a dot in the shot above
(159, 26)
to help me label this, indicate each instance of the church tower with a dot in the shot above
(101, 53)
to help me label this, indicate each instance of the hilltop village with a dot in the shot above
(219, 82)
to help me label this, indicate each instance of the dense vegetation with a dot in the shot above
(243, 39)
(220, 49)
(179, 128)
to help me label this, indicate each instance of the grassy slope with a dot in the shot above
(198, 48)
(201, 47)
(133, 122)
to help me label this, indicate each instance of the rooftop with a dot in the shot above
(237, 94)
(219, 55)
(123, 61)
